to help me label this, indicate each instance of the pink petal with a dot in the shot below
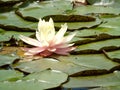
(46, 53)
(34, 51)
(64, 51)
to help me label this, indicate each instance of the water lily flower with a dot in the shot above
(48, 41)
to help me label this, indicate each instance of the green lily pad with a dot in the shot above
(49, 63)
(48, 76)
(90, 9)
(7, 59)
(99, 45)
(96, 32)
(112, 79)
(95, 61)
(46, 8)
(74, 21)
(10, 75)
(80, 25)
(114, 55)
(112, 23)
(3, 37)
(78, 40)
(37, 81)
(11, 21)
(7, 35)
(69, 64)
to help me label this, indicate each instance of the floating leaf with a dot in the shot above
(12, 22)
(3, 37)
(9, 75)
(70, 64)
(95, 10)
(48, 76)
(7, 35)
(7, 59)
(54, 7)
(114, 55)
(100, 45)
(49, 63)
(111, 23)
(37, 81)
(112, 79)
(96, 32)
(97, 61)
(80, 25)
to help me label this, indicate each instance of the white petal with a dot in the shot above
(42, 40)
(68, 38)
(30, 41)
(51, 21)
(46, 30)
(38, 35)
(61, 32)
(40, 23)
(64, 45)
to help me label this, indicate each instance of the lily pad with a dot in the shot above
(10, 75)
(80, 25)
(100, 45)
(46, 8)
(7, 35)
(69, 64)
(49, 63)
(37, 81)
(112, 79)
(114, 55)
(3, 37)
(97, 61)
(48, 76)
(96, 32)
(11, 21)
(90, 9)
(111, 23)
(7, 59)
